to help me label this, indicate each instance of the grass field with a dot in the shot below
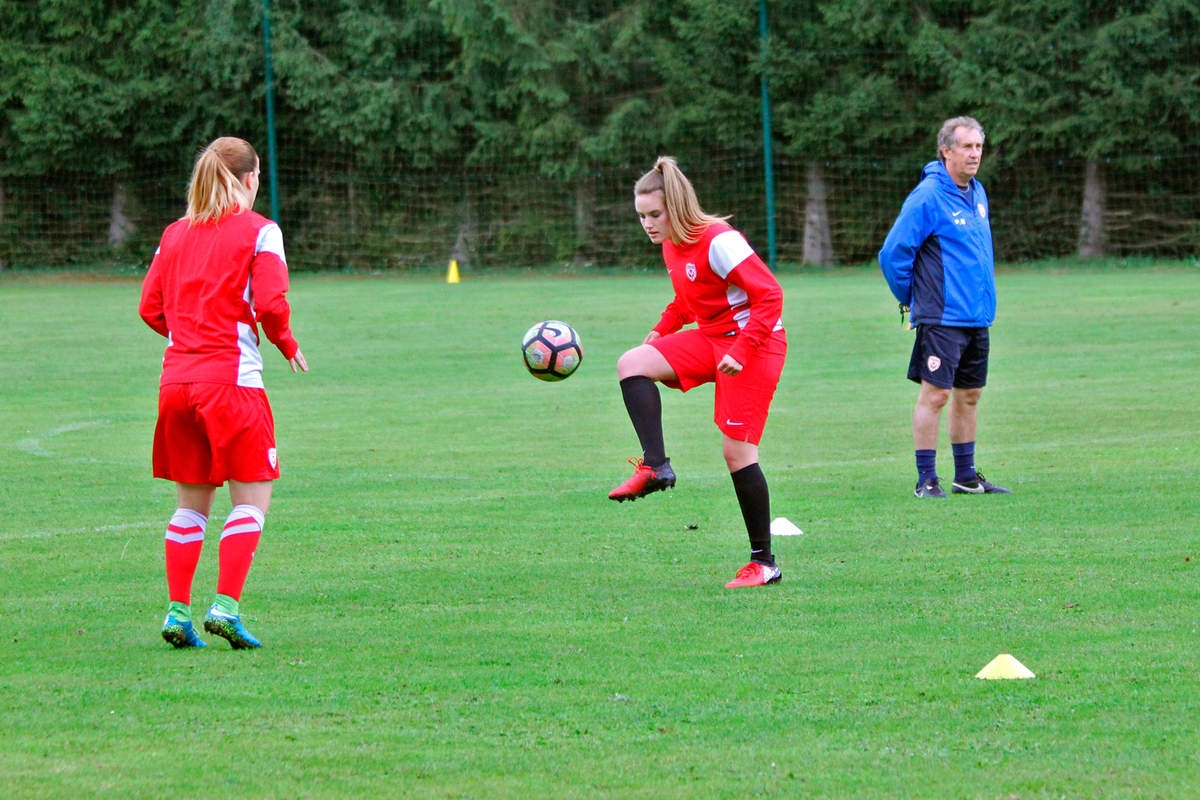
(451, 608)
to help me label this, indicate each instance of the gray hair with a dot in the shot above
(946, 136)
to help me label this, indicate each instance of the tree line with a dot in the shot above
(511, 131)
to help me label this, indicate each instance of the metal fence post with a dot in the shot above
(768, 165)
(271, 158)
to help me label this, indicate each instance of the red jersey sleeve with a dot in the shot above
(674, 317)
(268, 287)
(766, 305)
(151, 306)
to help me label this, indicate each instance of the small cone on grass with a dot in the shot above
(452, 273)
(782, 526)
(1002, 667)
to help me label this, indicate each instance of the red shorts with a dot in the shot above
(743, 400)
(208, 433)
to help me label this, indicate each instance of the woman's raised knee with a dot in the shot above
(636, 361)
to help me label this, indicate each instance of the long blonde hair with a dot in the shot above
(216, 187)
(684, 214)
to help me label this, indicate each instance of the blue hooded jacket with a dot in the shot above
(937, 258)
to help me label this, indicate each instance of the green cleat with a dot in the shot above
(230, 628)
(180, 633)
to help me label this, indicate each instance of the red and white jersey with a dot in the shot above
(725, 288)
(207, 287)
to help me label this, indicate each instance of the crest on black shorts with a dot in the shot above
(933, 362)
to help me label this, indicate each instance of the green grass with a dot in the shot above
(452, 609)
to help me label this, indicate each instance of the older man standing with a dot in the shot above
(937, 260)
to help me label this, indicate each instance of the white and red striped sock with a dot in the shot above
(185, 537)
(239, 540)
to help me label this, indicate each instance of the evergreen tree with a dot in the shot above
(556, 90)
(1114, 85)
(857, 79)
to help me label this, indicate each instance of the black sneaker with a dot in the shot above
(928, 488)
(979, 485)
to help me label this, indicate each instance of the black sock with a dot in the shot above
(751, 487)
(644, 405)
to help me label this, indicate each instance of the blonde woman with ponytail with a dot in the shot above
(738, 343)
(218, 275)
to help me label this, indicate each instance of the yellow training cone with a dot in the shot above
(1004, 666)
(452, 273)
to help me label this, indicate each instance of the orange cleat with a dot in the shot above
(755, 574)
(645, 479)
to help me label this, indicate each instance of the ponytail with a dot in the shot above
(216, 187)
(687, 219)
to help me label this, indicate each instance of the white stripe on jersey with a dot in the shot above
(726, 251)
(737, 299)
(270, 240)
(250, 363)
(742, 316)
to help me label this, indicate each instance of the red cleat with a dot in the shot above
(755, 574)
(645, 479)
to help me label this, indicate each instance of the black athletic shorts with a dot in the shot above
(952, 358)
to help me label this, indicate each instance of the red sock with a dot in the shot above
(185, 537)
(239, 540)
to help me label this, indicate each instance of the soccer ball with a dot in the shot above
(551, 350)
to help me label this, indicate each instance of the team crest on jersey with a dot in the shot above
(933, 362)
(271, 457)
(690, 269)
(982, 210)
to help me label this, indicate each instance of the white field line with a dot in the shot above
(151, 525)
(773, 465)
(986, 447)
(33, 446)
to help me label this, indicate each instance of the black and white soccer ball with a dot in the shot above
(551, 350)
